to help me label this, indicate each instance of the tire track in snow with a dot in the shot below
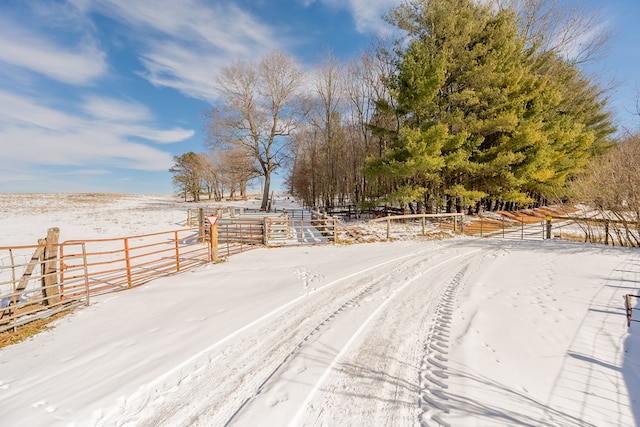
(348, 304)
(338, 359)
(155, 400)
(346, 310)
(433, 373)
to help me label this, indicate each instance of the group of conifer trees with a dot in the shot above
(469, 110)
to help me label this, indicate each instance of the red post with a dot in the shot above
(213, 235)
(61, 272)
(86, 272)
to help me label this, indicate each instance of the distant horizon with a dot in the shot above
(250, 193)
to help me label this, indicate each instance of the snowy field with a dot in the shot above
(460, 332)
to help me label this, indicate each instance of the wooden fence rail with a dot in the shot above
(508, 228)
(456, 218)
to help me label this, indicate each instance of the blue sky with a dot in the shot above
(99, 95)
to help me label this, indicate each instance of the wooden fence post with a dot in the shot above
(548, 219)
(49, 267)
(301, 228)
(213, 235)
(201, 224)
(265, 231)
(388, 227)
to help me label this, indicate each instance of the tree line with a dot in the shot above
(474, 105)
(213, 174)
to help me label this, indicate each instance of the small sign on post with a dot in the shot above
(213, 219)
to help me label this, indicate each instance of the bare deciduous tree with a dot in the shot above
(212, 177)
(612, 188)
(260, 109)
(238, 168)
(571, 28)
(330, 150)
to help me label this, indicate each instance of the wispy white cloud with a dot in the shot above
(81, 146)
(41, 134)
(79, 65)
(180, 67)
(116, 109)
(367, 14)
(185, 43)
(128, 118)
(8, 177)
(87, 172)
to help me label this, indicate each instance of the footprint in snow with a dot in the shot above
(39, 404)
(488, 347)
(277, 399)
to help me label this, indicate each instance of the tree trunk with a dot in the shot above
(265, 192)
(449, 208)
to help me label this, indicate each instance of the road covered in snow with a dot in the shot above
(454, 332)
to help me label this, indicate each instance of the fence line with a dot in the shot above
(30, 280)
(456, 220)
(300, 231)
(60, 276)
(588, 229)
(35, 285)
(508, 228)
(609, 231)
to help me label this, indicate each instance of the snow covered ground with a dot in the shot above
(461, 332)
